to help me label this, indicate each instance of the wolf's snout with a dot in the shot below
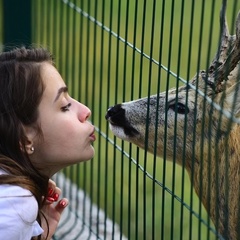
(117, 118)
(115, 113)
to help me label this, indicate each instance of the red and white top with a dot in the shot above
(18, 213)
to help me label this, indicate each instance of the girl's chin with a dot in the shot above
(88, 156)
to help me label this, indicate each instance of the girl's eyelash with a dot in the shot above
(66, 108)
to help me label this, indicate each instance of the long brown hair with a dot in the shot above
(21, 90)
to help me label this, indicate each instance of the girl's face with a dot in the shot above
(67, 135)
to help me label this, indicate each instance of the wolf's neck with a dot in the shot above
(217, 183)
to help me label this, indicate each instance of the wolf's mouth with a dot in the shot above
(116, 117)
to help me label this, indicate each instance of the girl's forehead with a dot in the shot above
(48, 70)
(50, 75)
(52, 81)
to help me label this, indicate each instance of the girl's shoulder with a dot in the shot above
(7, 190)
(18, 205)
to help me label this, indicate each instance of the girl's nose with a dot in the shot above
(84, 112)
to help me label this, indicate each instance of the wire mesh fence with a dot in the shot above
(111, 52)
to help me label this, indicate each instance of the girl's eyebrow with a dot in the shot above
(60, 91)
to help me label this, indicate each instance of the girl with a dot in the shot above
(42, 130)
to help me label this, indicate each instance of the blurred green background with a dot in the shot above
(109, 52)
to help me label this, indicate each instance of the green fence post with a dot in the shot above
(17, 23)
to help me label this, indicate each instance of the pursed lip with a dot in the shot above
(92, 135)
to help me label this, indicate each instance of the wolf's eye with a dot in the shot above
(179, 108)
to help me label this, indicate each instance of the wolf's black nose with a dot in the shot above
(112, 111)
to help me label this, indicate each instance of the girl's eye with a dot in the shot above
(66, 108)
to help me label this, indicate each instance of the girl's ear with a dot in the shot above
(30, 134)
